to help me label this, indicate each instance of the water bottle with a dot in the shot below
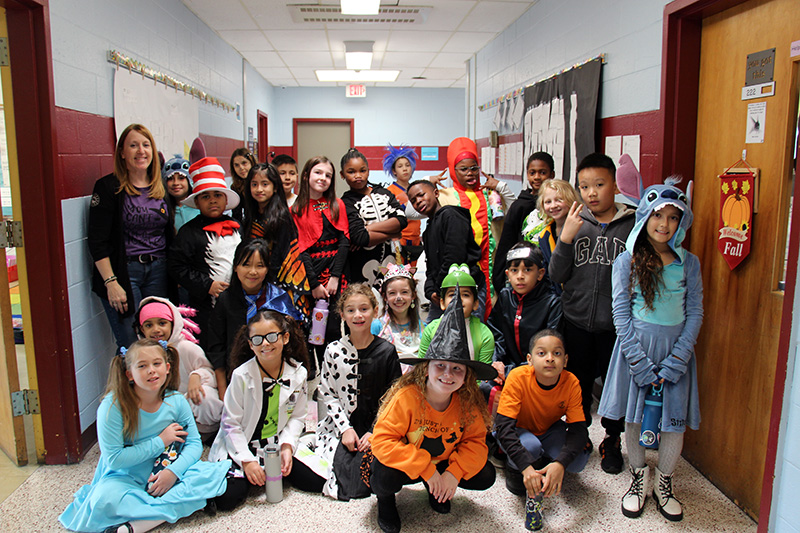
(272, 468)
(319, 320)
(534, 518)
(651, 418)
(167, 457)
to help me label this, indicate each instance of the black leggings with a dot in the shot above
(301, 477)
(387, 481)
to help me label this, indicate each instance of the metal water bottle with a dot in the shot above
(272, 468)
(651, 418)
(319, 320)
(534, 519)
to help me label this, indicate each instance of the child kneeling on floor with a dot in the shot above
(539, 445)
(432, 425)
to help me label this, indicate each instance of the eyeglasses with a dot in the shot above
(467, 170)
(271, 338)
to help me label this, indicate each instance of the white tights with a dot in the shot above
(669, 449)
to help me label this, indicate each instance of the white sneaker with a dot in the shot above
(666, 502)
(633, 500)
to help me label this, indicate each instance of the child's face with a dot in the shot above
(402, 169)
(259, 341)
(548, 358)
(262, 189)
(399, 295)
(356, 174)
(523, 278)
(137, 152)
(158, 329)
(424, 199)
(149, 370)
(211, 203)
(468, 173)
(319, 180)
(178, 186)
(241, 165)
(251, 273)
(554, 205)
(538, 171)
(597, 188)
(288, 174)
(445, 377)
(468, 299)
(358, 313)
(662, 225)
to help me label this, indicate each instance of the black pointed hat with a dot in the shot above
(449, 342)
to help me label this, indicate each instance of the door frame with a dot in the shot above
(262, 125)
(680, 77)
(297, 121)
(37, 153)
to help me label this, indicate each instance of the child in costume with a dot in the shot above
(375, 218)
(265, 403)
(142, 414)
(287, 170)
(658, 310)
(241, 163)
(201, 256)
(432, 425)
(399, 164)
(176, 181)
(480, 340)
(540, 446)
(400, 323)
(159, 320)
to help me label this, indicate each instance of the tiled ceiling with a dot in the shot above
(286, 52)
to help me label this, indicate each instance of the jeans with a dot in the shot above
(549, 445)
(387, 481)
(146, 280)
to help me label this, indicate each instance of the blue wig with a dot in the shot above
(393, 154)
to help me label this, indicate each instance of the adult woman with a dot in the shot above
(129, 231)
(241, 163)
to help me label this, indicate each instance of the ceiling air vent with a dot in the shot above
(332, 14)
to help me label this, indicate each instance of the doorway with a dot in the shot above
(263, 141)
(329, 137)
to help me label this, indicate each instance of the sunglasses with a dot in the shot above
(271, 338)
(466, 170)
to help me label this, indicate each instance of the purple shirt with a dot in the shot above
(144, 222)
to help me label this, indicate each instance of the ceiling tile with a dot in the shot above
(308, 59)
(416, 41)
(264, 59)
(228, 15)
(492, 16)
(449, 60)
(246, 40)
(275, 72)
(284, 82)
(446, 15)
(298, 40)
(470, 42)
(406, 59)
(338, 37)
(443, 73)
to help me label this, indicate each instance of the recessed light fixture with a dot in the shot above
(358, 54)
(360, 7)
(357, 75)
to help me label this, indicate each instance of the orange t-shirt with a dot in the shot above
(535, 408)
(410, 232)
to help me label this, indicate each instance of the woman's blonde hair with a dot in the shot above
(123, 387)
(563, 188)
(156, 184)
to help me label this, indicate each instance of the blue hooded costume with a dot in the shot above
(656, 343)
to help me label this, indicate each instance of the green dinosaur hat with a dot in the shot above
(458, 276)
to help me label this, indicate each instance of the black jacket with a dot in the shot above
(228, 316)
(511, 235)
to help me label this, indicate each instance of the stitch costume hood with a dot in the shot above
(655, 198)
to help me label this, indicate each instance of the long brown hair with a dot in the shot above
(156, 184)
(123, 387)
(469, 394)
(295, 351)
(413, 310)
(237, 183)
(646, 269)
(304, 195)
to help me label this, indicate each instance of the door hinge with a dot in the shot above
(11, 234)
(4, 52)
(25, 402)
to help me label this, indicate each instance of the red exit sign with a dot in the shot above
(356, 91)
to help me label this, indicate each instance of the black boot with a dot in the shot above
(388, 517)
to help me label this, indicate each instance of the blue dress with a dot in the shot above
(656, 344)
(117, 493)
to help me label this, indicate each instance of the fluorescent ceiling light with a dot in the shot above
(358, 54)
(361, 75)
(360, 7)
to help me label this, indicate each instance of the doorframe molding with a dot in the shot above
(296, 121)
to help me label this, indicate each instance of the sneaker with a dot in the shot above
(611, 455)
(388, 517)
(514, 482)
(666, 502)
(633, 500)
(439, 507)
(534, 518)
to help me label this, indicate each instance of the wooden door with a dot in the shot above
(738, 345)
(331, 138)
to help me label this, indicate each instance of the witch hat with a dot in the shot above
(449, 342)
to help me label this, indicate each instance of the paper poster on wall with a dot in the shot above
(631, 145)
(171, 116)
(614, 147)
(756, 116)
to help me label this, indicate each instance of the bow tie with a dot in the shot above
(223, 228)
(270, 383)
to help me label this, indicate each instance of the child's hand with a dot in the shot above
(442, 486)
(435, 298)
(333, 285)
(319, 292)
(173, 433)
(572, 224)
(363, 443)
(162, 482)
(286, 459)
(255, 473)
(501, 372)
(350, 439)
(491, 182)
(532, 480)
(195, 392)
(217, 287)
(436, 180)
(553, 476)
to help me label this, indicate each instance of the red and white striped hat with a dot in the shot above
(208, 175)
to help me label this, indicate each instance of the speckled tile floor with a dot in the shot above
(589, 502)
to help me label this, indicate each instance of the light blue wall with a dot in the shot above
(413, 116)
(553, 35)
(258, 96)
